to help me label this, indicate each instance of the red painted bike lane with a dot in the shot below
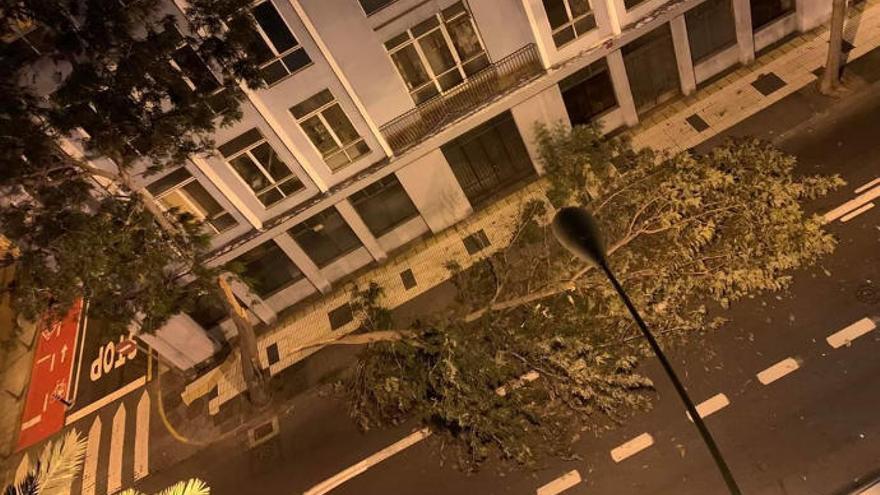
(51, 377)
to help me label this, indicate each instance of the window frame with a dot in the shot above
(570, 24)
(341, 148)
(278, 56)
(184, 75)
(276, 248)
(191, 202)
(247, 150)
(413, 40)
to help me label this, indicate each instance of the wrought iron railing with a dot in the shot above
(495, 80)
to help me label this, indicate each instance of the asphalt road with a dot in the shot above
(814, 431)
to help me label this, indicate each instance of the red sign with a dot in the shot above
(48, 391)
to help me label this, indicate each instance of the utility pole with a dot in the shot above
(830, 81)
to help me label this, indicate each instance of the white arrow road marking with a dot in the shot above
(561, 483)
(868, 185)
(90, 465)
(851, 333)
(778, 370)
(852, 204)
(711, 406)
(858, 211)
(141, 437)
(632, 447)
(117, 441)
(356, 469)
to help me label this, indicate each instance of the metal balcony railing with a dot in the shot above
(497, 79)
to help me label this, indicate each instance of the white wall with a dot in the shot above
(434, 190)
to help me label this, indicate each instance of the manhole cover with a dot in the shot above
(868, 294)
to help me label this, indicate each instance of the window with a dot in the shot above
(569, 19)
(371, 6)
(260, 167)
(710, 27)
(489, 160)
(766, 11)
(329, 129)
(195, 74)
(325, 237)
(588, 93)
(436, 55)
(276, 49)
(383, 205)
(181, 192)
(268, 269)
(629, 4)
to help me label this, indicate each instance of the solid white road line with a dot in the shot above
(868, 185)
(90, 465)
(849, 216)
(632, 447)
(778, 370)
(711, 406)
(852, 204)
(356, 469)
(142, 437)
(561, 483)
(117, 441)
(103, 401)
(851, 333)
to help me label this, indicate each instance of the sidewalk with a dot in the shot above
(678, 126)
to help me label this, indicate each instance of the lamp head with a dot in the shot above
(578, 232)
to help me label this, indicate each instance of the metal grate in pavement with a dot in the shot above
(697, 123)
(768, 83)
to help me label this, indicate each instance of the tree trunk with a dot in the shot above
(830, 81)
(247, 347)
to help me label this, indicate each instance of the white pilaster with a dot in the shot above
(622, 91)
(303, 262)
(683, 55)
(745, 38)
(547, 108)
(435, 191)
(254, 302)
(351, 217)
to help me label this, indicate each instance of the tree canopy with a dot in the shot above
(538, 348)
(92, 93)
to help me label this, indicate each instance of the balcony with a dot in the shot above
(496, 80)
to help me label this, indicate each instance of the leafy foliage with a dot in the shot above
(683, 231)
(105, 68)
(57, 465)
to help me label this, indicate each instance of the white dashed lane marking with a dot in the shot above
(778, 370)
(561, 483)
(632, 447)
(850, 333)
(711, 406)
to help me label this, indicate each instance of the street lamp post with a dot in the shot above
(577, 231)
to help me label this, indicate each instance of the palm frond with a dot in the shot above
(130, 491)
(59, 463)
(191, 486)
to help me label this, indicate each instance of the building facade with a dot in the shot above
(383, 121)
